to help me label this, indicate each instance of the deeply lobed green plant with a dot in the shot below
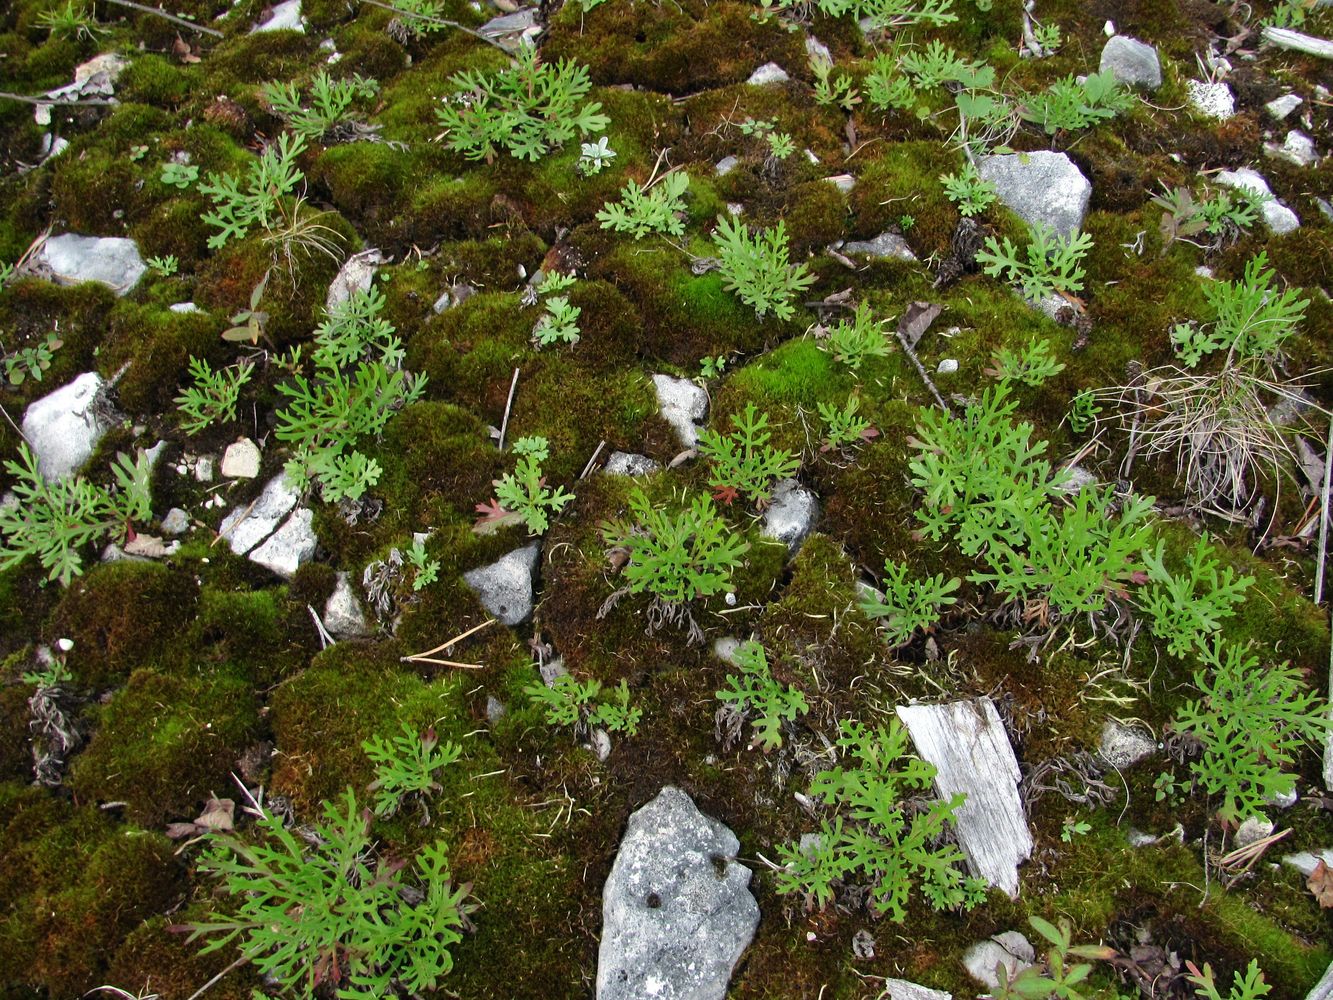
(844, 425)
(335, 916)
(743, 463)
(757, 269)
(968, 190)
(1251, 318)
(426, 570)
(1071, 104)
(214, 394)
(1032, 366)
(269, 179)
(896, 849)
(524, 491)
(833, 91)
(1187, 609)
(1050, 264)
(657, 208)
(559, 324)
(330, 102)
(1247, 985)
(882, 14)
(854, 341)
(1251, 723)
(526, 110)
(353, 330)
(679, 557)
(910, 604)
(406, 765)
(755, 694)
(1226, 214)
(571, 702)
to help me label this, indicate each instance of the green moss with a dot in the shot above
(31, 309)
(255, 58)
(155, 959)
(152, 79)
(437, 450)
(157, 344)
(259, 629)
(469, 352)
(816, 215)
(121, 616)
(903, 179)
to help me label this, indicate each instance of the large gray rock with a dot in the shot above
(291, 546)
(64, 427)
(1131, 62)
(683, 405)
(677, 912)
(791, 515)
(343, 614)
(70, 259)
(902, 989)
(1277, 216)
(505, 586)
(1040, 187)
(249, 524)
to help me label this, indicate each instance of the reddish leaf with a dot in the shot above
(490, 511)
(726, 495)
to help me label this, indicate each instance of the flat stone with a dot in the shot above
(510, 31)
(70, 259)
(1280, 107)
(1009, 949)
(285, 16)
(683, 405)
(249, 524)
(64, 427)
(241, 460)
(791, 515)
(901, 989)
(291, 546)
(817, 50)
(845, 183)
(768, 73)
(677, 912)
(1305, 862)
(1279, 218)
(108, 65)
(1040, 188)
(505, 587)
(176, 522)
(1123, 747)
(726, 165)
(967, 743)
(356, 274)
(947, 366)
(1212, 99)
(624, 463)
(1297, 149)
(343, 614)
(1132, 62)
(885, 246)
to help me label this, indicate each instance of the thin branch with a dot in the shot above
(444, 22)
(445, 645)
(170, 17)
(1323, 517)
(921, 370)
(504, 423)
(588, 468)
(56, 102)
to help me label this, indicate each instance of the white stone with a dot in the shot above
(1297, 149)
(70, 259)
(1123, 746)
(791, 514)
(1212, 99)
(249, 524)
(176, 522)
(967, 743)
(768, 73)
(285, 16)
(901, 989)
(843, 182)
(291, 546)
(1010, 949)
(1306, 861)
(1131, 62)
(947, 366)
(622, 463)
(1040, 188)
(817, 50)
(683, 405)
(1252, 830)
(343, 615)
(241, 460)
(183, 308)
(1280, 107)
(505, 587)
(1279, 218)
(356, 274)
(726, 165)
(63, 427)
(885, 246)
(203, 470)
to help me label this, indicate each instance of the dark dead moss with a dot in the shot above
(15, 755)
(154, 958)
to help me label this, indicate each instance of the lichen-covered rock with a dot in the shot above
(902, 989)
(1297, 149)
(1131, 62)
(70, 259)
(768, 73)
(343, 614)
(64, 427)
(356, 274)
(241, 460)
(623, 463)
(677, 912)
(1123, 747)
(1010, 949)
(683, 405)
(1040, 188)
(285, 16)
(1212, 99)
(505, 587)
(791, 515)
(885, 246)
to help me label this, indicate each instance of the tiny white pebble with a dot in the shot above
(947, 367)
(64, 645)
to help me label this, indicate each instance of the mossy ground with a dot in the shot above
(193, 669)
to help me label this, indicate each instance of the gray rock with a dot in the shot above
(64, 427)
(817, 50)
(947, 366)
(1040, 187)
(1252, 830)
(455, 295)
(724, 648)
(1123, 747)
(356, 274)
(1322, 990)
(885, 246)
(1212, 99)
(624, 463)
(1132, 62)
(791, 514)
(70, 259)
(505, 587)
(1279, 218)
(343, 614)
(768, 73)
(677, 912)
(241, 460)
(1306, 861)
(177, 522)
(1280, 107)
(683, 405)
(901, 989)
(726, 165)
(495, 709)
(249, 524)
(291, 546)
(285, 16)
(1009, 949)
(1297, 149)
(510, 31)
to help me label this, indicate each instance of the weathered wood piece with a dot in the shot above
(970, 749)
(1295, 41)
